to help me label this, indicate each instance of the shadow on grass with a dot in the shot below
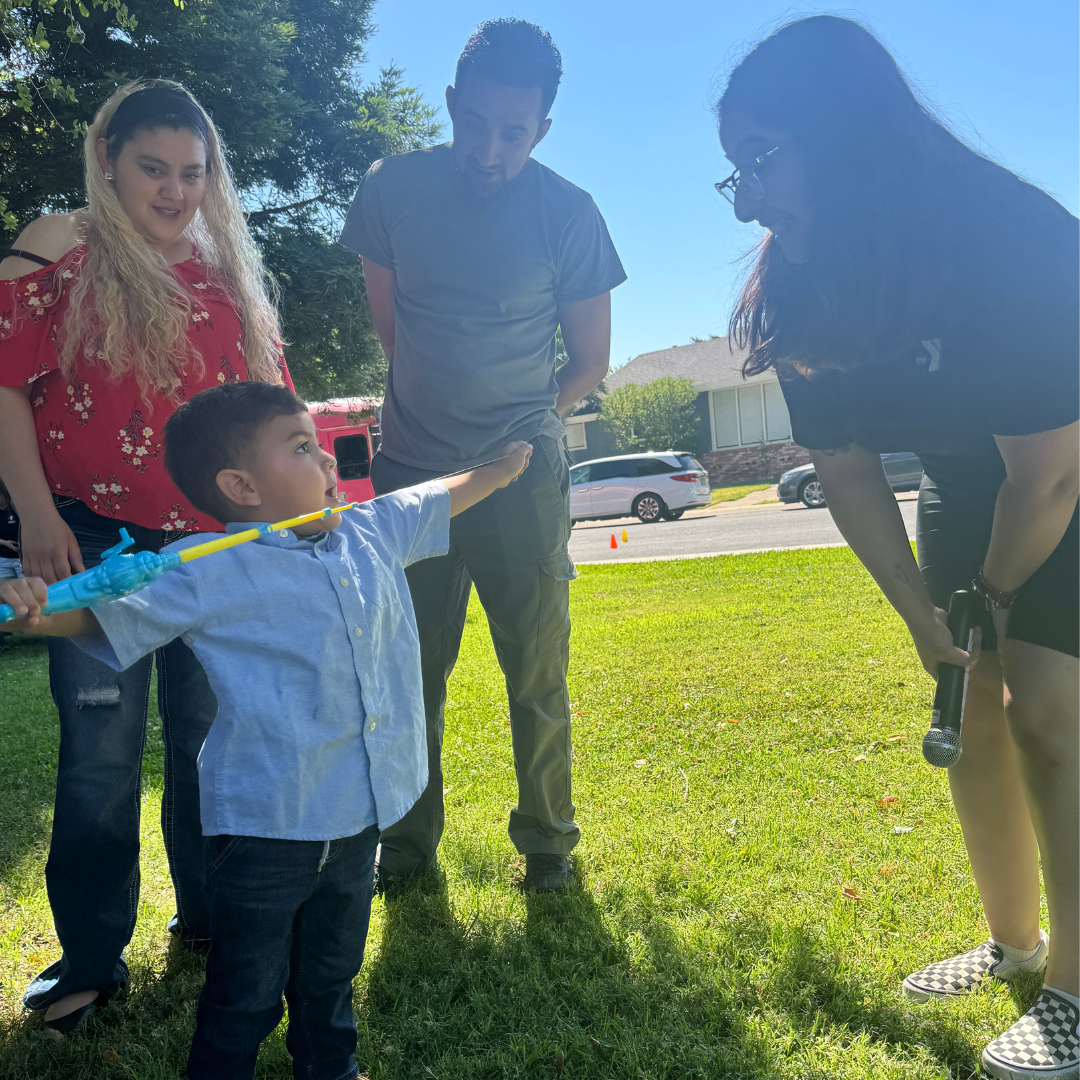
(455, 994)
(807, 990)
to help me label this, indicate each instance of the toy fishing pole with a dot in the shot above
(120, 575)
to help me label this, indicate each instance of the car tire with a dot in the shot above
(674, 515)
(649, 508)
(811, 494)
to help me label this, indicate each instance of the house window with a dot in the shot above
(777, 421)
(725, 419)
(749, 415)
(575, 437)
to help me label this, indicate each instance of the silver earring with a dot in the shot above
(109, 177)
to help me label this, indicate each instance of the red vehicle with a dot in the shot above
(349, 429)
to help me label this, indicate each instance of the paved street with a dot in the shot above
(715, 531)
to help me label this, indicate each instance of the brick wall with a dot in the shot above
(747, 464)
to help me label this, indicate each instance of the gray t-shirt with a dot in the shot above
(479, 284)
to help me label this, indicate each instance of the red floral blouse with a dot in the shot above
(99, 439)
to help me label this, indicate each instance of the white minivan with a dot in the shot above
(652, 486)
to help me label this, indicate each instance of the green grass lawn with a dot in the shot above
(746, 907)
(729, 494)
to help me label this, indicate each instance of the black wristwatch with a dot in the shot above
(996, 599)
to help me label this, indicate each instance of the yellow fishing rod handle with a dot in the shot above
(199, 550)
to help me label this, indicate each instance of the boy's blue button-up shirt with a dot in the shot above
(310, 646)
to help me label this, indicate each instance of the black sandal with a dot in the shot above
(70, 1022)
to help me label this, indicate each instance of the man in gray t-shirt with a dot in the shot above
(474, 255)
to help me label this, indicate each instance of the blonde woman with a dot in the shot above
(109, 318)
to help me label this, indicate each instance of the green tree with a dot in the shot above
(24, 86)
(281, 79)
(660, 415)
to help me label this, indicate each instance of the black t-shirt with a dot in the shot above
(1001, 356)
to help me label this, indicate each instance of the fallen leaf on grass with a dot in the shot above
(559, 1063)
(112, 1057)
(901, 830)
(887, 800)
(640, 763)
(900, 684)
(732, 720)
(860, 757)
(895, 738)
(848, 893)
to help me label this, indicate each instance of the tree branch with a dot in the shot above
(270, 211)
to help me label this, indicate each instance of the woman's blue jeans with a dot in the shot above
(93, 869)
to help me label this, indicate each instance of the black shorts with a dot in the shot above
(952, 535)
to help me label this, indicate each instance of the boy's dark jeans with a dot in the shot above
(286, 917)
(93, 869)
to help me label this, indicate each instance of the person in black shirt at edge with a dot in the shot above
(914, 295)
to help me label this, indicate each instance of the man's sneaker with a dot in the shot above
(389, 886)
(967, 972)
(547, 873)
(1042, 1044)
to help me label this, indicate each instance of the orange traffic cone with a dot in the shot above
(625, 538)
(613, 544)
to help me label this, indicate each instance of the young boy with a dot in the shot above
(309, 641)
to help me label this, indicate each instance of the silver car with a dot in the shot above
(651, 486)
(904, 472)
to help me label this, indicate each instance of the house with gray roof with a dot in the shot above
(743, 422)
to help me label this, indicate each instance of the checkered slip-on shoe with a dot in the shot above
(967, 972)
(1041, 1045)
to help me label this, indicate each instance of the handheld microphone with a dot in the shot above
(941, 746)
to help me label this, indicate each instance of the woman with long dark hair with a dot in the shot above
(914, 295)
(109, 318)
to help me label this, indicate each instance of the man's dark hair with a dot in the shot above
(513, 52)
(216, 430)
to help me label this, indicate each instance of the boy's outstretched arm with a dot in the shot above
(469, 488)
(27, 596)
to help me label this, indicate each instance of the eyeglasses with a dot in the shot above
(748, 183)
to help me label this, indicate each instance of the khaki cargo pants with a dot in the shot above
(512, 546)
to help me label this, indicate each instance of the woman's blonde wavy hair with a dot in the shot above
(128, 311)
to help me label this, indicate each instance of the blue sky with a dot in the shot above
(632, 123)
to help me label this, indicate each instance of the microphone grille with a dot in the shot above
(941, 747)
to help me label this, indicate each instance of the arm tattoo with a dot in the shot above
(898, 573)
